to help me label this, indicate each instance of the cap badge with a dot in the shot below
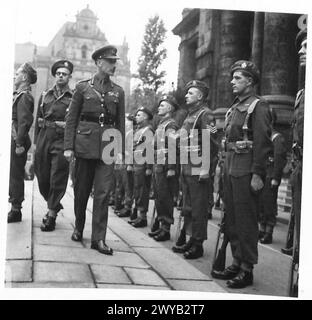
(244, 65)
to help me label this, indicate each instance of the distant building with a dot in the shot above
(212, 40)
(75, 41)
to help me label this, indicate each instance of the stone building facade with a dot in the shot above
(212, 40)
(75, 41)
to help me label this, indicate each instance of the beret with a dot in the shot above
(146, 111)
(170, 99)
(106, 52)
(61, 64)
(302, 34)
(202, 86)
(30, 71)
(248, 67)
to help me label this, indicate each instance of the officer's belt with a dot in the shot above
(241, 146)
(101, 119)
(42, 123)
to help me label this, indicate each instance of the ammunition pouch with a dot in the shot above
(242, 146)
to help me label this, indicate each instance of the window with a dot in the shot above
(84, 50)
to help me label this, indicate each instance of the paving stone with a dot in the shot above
(126, 286)
(87, 256)
(170, 265)
(61, 272)
(18, 270)
(109, 274)
(59, 237)
(196, 285)
(145, 277)
(49, 285)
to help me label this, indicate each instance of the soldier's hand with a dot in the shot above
(19, 150)
(203, 177)
(129, 168)
(274, 184)
(148, 172)
(170, 173)
(69, 155)
(256, 183)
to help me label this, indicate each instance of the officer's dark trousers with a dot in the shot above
(296, 182)
(165, 189)
(141, 185)
(210, 194)
(120, 178)
(195, 202)
(90, 172)
(268, 207)
(17, 172)
(241, 221)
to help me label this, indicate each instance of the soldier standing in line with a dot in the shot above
(97, 105)
(248, 144)
(195, 180)
(22, 119)
(51, 167)
(268, 197)
(165, 173)
(142, 172)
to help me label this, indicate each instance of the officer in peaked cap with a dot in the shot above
(62, 64)
(247, 68)
(106, 52)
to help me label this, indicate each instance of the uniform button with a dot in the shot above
(102, 105)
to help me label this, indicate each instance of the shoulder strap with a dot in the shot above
(197, 117)
(18, 95)
(250, 110)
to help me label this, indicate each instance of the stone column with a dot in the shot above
(234, 45)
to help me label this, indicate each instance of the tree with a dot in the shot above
(152, 55)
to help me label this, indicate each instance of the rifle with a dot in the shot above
(220, 254)
(294, 275)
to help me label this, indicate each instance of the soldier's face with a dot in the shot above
(240, 83)
(140, 117)
(19, 77)
(62, 76)
(107, 66)
(164, 108)
(193, 96)
(303, 53)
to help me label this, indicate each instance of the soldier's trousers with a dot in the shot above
(241, 223)
(296, 182)
(52, 171)
(141, 189)
(129, 190)
(268, 207)
(195, 206)
(90, 172)
(165, 190)
(120, 186)
(17, 172)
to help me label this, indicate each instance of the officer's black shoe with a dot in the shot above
(267, 238)
(261, 234)
(227, 274)
(181, 249)
(182, 238)
(76, 236)
(101, 247)
(162, 236)
(242, 280)
(141, 223)
(48, 224)
(154, 233)
(124, 213)
(195, 252)
(14, 216)
(288, 251)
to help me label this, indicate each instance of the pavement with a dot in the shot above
(36, 259)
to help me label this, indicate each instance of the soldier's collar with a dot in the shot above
(165, 118)
(23, 87)
(195, 108)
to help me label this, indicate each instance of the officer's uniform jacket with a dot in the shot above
(258, 132)
(96, 105)
(298, 125)
(22, 117)
(164, 138)
(51, 114)
(199, 117)
(278, 159)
